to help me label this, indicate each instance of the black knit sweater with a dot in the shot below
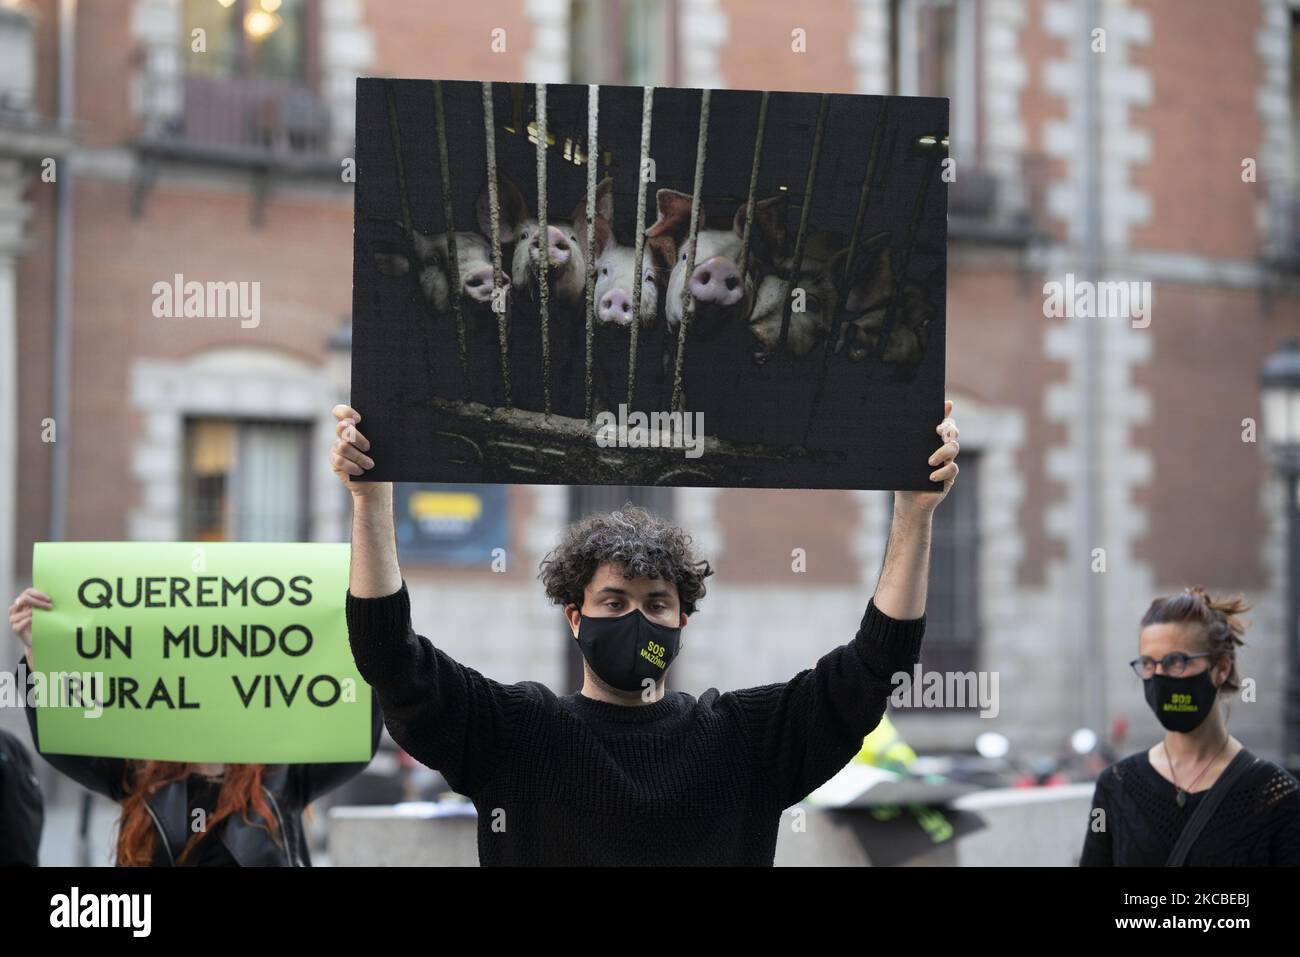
(571, 780)
(1256, 824)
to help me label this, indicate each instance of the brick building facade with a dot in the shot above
(1156, 475)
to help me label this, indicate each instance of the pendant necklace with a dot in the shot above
(1180, 794)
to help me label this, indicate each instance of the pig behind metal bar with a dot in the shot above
(542, 278)
(494, 219)
(932, 147)
(593, 154)
(688, 301)
(743, 261)
(815, 278)
(642, 179)
(813, 262)
(453, 263)
(428, 258)
(615, 281)
(864, 198)
(803, 216)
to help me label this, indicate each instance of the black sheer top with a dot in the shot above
(1136, 820)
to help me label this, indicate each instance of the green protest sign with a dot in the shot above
(204, 652)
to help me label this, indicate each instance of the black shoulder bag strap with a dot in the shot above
(1213, 798)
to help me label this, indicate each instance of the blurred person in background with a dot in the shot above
(624, 771)
(1148, 808)
(22, 807)
(252, 813)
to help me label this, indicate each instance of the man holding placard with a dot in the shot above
(622, 771)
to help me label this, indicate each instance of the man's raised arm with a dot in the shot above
(803, 731)
(444, 714)
(375, 572)
(900, 592)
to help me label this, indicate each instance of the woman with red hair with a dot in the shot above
(250, 814)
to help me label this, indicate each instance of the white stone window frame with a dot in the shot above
(227, 383)
(963, 120)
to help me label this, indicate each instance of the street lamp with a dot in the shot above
(1279, 382)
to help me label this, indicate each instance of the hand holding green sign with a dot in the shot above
(198, 652)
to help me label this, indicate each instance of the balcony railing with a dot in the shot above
(215, 110)
(999, 206)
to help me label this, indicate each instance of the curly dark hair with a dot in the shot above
(645, 547)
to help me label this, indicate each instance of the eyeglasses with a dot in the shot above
(1174, 664)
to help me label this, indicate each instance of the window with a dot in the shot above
(934, 53)
(17, 62)
(245, 481)
(250, 94)
(622, 41)
(263, 38)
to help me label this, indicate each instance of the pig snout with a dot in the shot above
(558, 251)
(717, 280)
(478, 285)
(616, 307)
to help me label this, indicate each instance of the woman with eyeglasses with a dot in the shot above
(1199, 797)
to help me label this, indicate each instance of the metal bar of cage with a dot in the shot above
(642, 178)
(544, 246)
(932, 147)
(494, 218)
(864, 197)
(844, 281)
(809, 185)
(753, 184)
(396, 139)
(593, 158)
(688, 301)
(453, 261)
(408, 231)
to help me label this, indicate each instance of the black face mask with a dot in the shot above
(1181, 704)
(626, 650)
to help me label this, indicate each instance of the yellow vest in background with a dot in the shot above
(884, 748)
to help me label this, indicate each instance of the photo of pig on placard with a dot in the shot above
(622, 285)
